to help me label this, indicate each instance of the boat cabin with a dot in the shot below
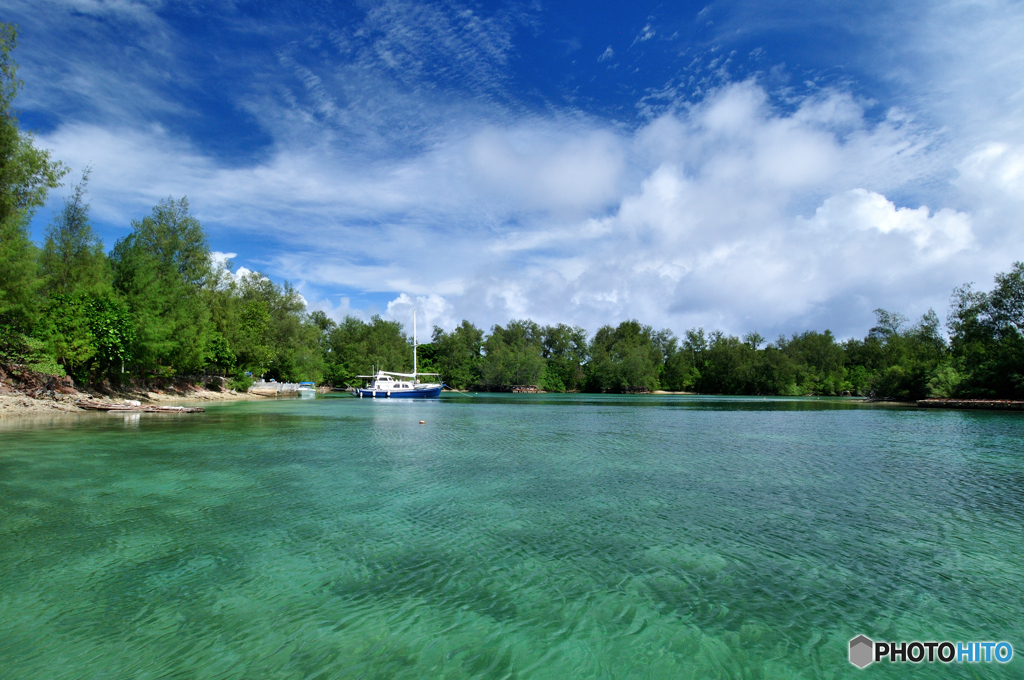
(387, 382)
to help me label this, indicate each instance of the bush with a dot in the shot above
(241, 382)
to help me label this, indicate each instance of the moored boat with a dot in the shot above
(389, 385)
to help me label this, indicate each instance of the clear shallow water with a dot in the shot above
(522, 536)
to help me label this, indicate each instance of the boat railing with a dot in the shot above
(264, 387)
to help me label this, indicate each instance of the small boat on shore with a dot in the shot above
(307, 390)
(389, 385)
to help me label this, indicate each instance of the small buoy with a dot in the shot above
(423, 422)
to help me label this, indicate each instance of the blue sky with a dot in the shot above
(734, 165)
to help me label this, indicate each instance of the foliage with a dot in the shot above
(513, 355)
(458, 355)
(987, 340)
(355, 347)
(241, 382)
(72, 260)
(628, 357)
(161, 269)
(27, 173)
(89, 336)
(566, 352)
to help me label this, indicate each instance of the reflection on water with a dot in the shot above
(534, 536)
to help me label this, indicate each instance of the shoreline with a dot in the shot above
(16, 404)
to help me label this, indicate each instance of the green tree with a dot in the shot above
(277, 338)
(67, 333)
(513, 355)
(819, 362)
(628, 357)
(113, 334)
(457, 355)
(27, 173)
(90, 336)
(73, 260)
(357, 348)
(902, 360)
(162, 269)
(252, 344)
(683, 366)
(987, 342)
(566, 351)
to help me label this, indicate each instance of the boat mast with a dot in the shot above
(414, 345)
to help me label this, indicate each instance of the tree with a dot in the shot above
(277, 339)
(566, 352)
(513, 355)
(162, 269)
(627, 357)
(458, 355)
(90, 336)
(26, 175)
(903, 360)
(356, 348)
(1006, 302)
(252, 342)
(987, 342)
(73, 260)
(819, 363)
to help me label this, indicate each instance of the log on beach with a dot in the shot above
(135, 408)
(988, 404)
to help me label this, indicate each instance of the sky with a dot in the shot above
(742, 166)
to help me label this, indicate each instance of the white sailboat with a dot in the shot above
(390, 385)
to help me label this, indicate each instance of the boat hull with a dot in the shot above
(430, 393)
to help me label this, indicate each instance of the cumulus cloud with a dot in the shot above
(935, 237)
(431, 310)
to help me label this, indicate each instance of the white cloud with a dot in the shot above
(221, 260)
(998, 166)
(431, 310)
(935, 237)
(645, 34)
(334, 310)
(607, 54)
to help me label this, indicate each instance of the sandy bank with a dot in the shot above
(173, 396)
(21, 405)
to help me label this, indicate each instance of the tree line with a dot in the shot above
(157, 305)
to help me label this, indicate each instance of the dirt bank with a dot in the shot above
(25, 392)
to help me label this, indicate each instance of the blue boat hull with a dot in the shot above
(433, 393)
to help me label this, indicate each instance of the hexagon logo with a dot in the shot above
(862, 651)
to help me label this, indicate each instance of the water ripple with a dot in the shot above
(546, 537)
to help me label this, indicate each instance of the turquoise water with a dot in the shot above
(523, 536)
